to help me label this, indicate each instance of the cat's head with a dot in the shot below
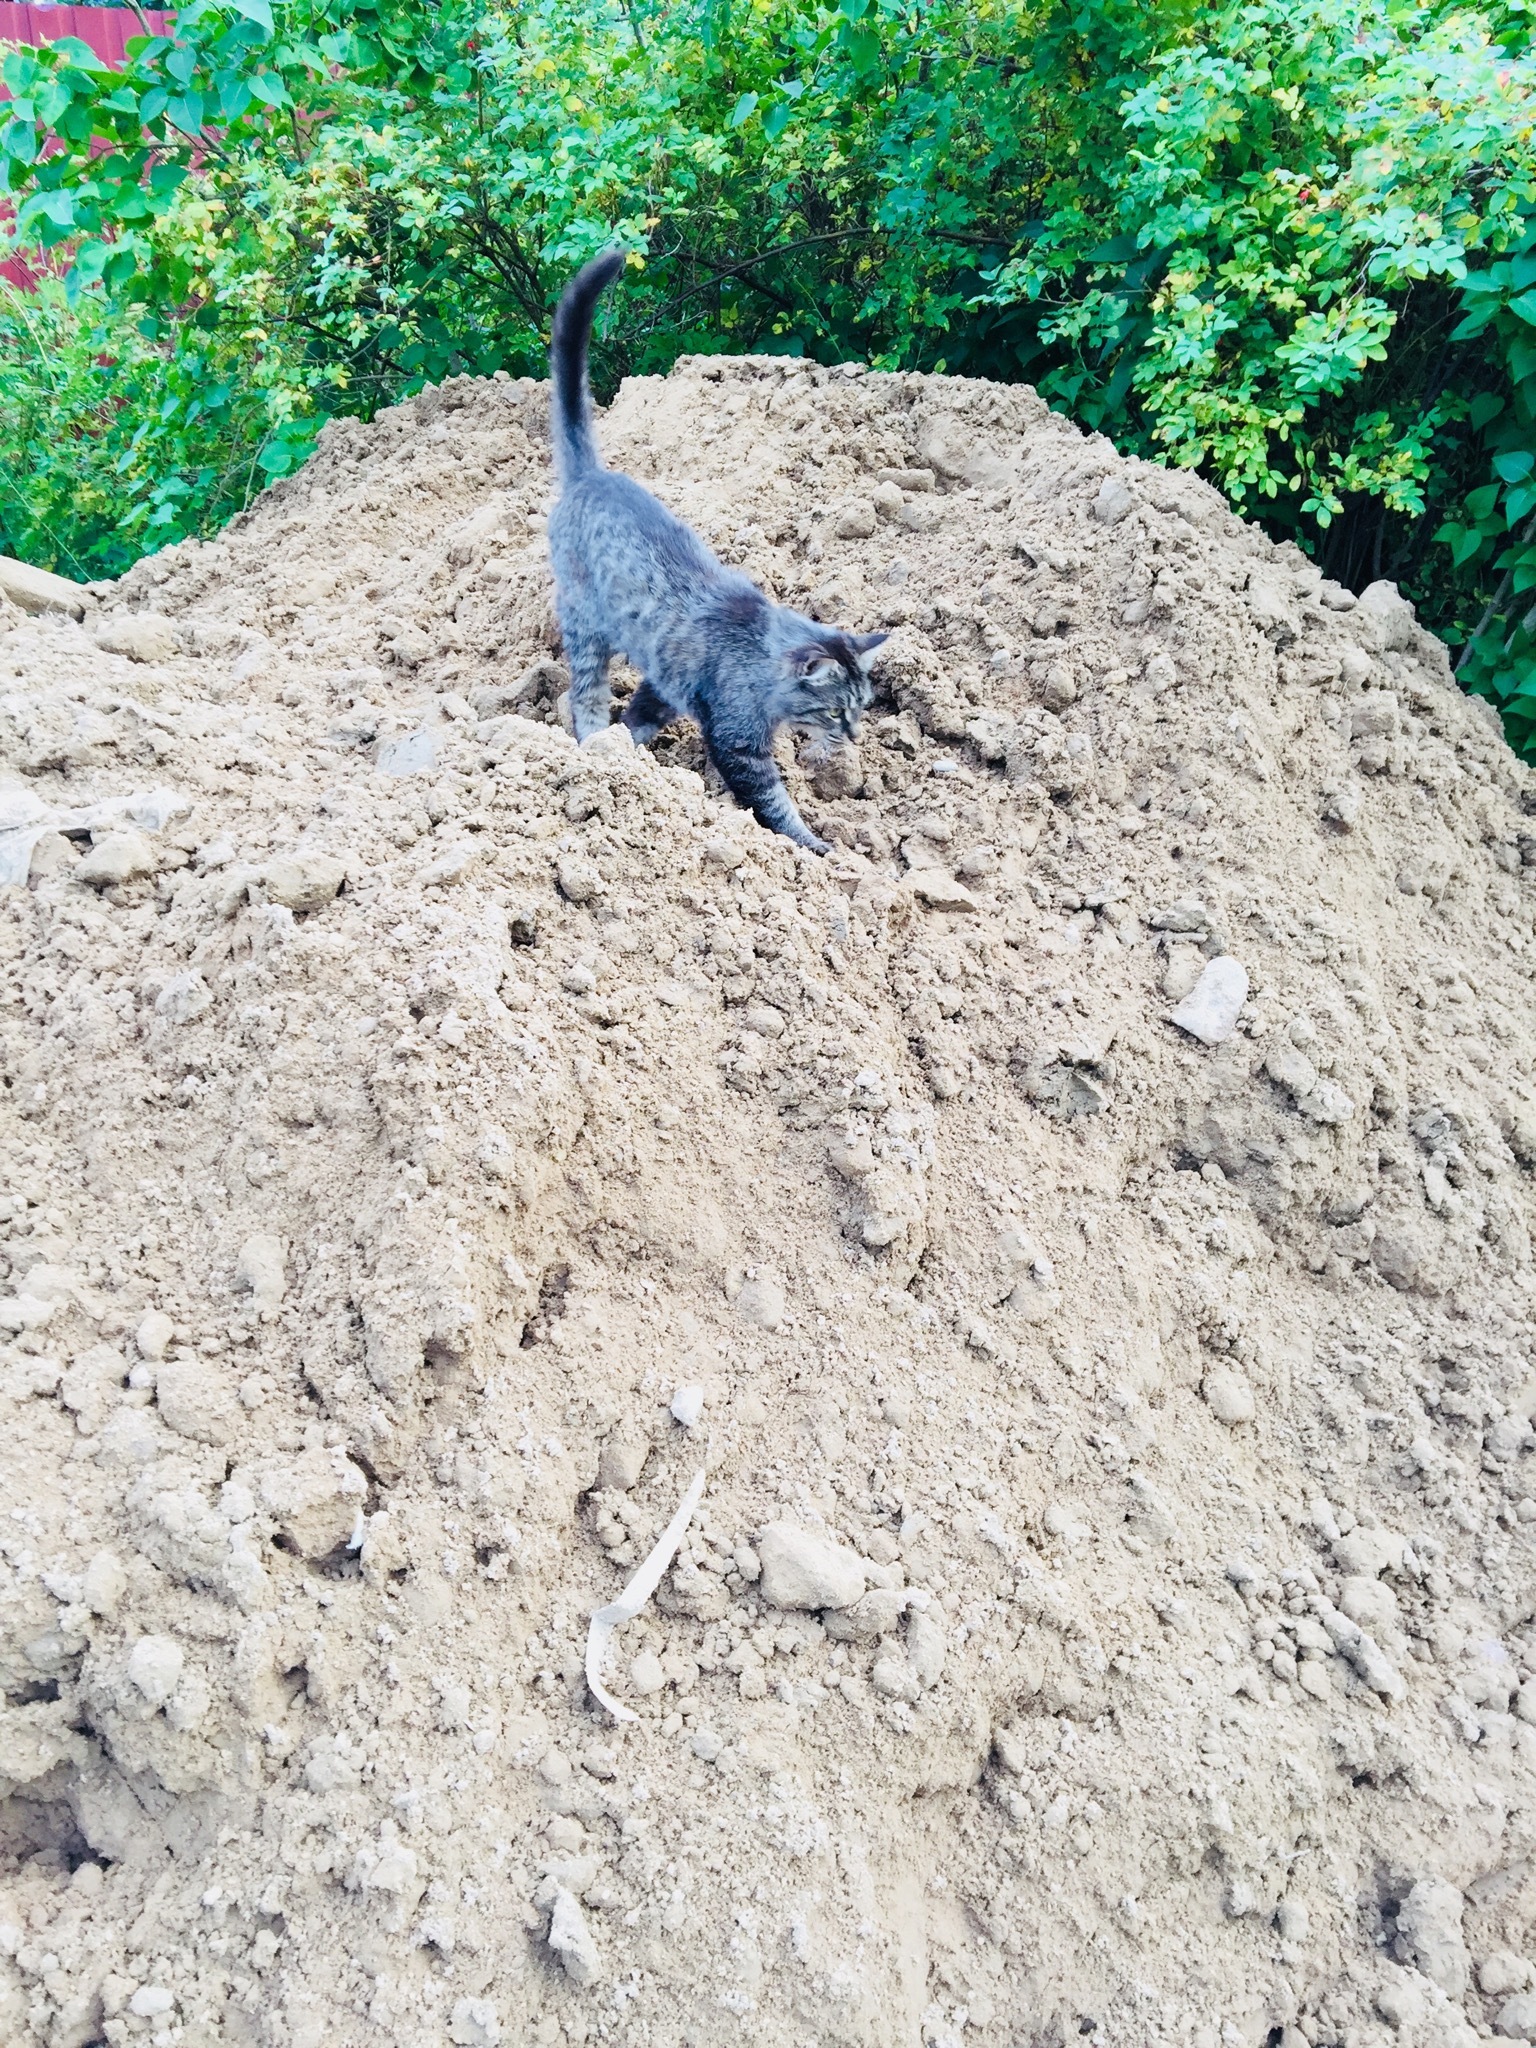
(828, 687)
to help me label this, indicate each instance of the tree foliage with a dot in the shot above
(1291, 245)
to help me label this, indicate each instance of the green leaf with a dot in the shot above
(269, 88)
(185, 112)
(743, 110)
(259, 11)
(1513, 464)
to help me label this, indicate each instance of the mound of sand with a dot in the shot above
(1082, 1227)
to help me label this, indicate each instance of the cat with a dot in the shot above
(632, 579)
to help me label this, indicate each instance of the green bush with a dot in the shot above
(1286, 244)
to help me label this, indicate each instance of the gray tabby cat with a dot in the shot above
(633, 580)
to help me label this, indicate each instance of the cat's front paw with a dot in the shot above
(814, 845)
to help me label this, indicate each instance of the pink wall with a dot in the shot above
(106, 29)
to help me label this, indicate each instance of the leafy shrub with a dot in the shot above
(1286, 243)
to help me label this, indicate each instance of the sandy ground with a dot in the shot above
(427, 1146)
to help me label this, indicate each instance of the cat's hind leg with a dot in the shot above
(646, 714)
(587, 655)
(755, 782)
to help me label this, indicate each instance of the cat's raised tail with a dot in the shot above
(575, 450)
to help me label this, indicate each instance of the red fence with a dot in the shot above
(106, 29)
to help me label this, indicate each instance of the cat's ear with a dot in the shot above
(866, 646)
(810, 663)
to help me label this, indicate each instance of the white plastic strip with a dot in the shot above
(633, 1598)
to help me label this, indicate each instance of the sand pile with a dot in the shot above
(427, 1146)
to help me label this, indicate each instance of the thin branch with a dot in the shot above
(719, 274)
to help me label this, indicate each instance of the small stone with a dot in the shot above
(1210, 1011)
(1312, 1677)
(1292, 1920)
(1400, 2003)
(609, 742)
(141, 636)
(854, 1159)
(706, 1745)
(578, 880)
(154, 1666)
(554, 1767)
(1502, 1973)
(877, 1614)
(1367, 1553)
(1516, 2017)
(412, 753)
(621, 1463)
(104, 1583)
(1429, 1923)
(52, 854)
(804, 1571)
(260, 1272)
(154, 1333)
(150, 2001)
(893, 1677)
(856, 521)
(939, 891)
(725, 853)
(571, 1939)
(761, 1301)
(1371, 1604)
(304, 881)
(40, 590)
(184, 998)
(196, 1400)
(474, 2023)
(1238, 1898)
(926, 1646)
(688, 1406)
(1112, 502)
(646, 1675)
(1228, 1396)
(1182, 969)
(116, 858)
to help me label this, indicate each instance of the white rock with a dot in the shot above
(1326, 1104)
(1504, 1972)
(394, 1869)
(1516, 2017)
(104, 1583)
(150, 2001)
(184, 997)
(893, 1677)
(141, 636)
(646, 1675)
(117, 857)
(154, 1666)
(1209, 1012)
(259, 1271)
(1112, 502)
(621, 1463)
(800, 1570)
(305, 880)
(154, 1333)
(925, 1646)
(1429, 1921)
(474, 2023)
(688, 1406)
(196, 1400)
(1367, 1553)
(610, 743)
(1228, 1396)
(571, 1939)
